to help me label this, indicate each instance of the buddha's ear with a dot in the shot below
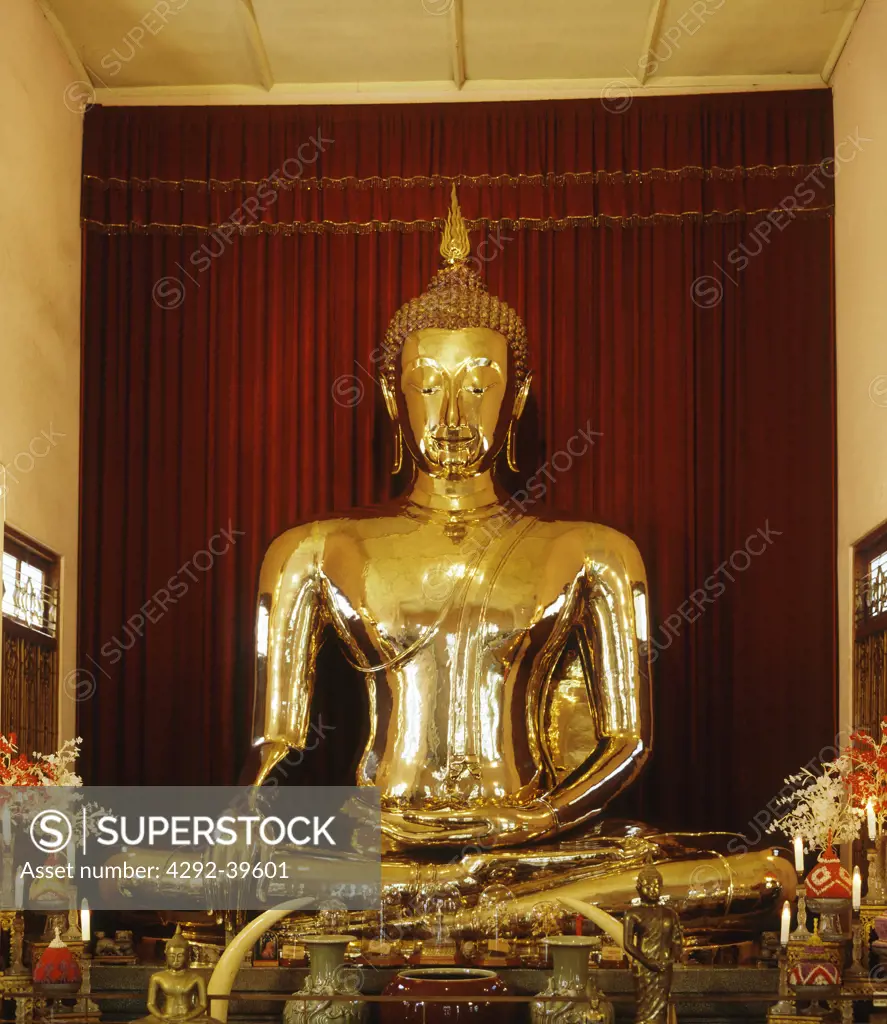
(390, 399)
(520, 399)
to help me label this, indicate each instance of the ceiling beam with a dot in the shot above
(651, 35)
(256, 44)
(843, 36)
(444, 91)
(457, 43)
(80, 69)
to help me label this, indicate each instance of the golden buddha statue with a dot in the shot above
(178, 993)
(504, 652)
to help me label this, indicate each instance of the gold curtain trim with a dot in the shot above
(475, 180)
(350, 227)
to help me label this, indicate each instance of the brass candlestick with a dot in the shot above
(801, 933)
(17, 945)
(7, 870)
(875, 892)
(84, 1004)
(786, 1005)
(72, 932)
(856, 970)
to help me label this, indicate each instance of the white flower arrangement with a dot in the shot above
(44, 770)
(819, 808)
(29, 777)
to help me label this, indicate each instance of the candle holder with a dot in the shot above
(801, 933)
(17, 946)
(72, 932)
(856, 970)
(786, 1005)
(85, 1005)
(7, 874)
(875, 892)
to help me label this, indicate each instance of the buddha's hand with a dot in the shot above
(486, 826)
(229, 882)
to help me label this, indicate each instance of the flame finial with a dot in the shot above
(455, 244)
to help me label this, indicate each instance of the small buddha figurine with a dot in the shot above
(180, 988)
(653, 940)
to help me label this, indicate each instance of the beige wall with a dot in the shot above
(40, 148)
(860, 95)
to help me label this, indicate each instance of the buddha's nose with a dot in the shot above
(452, 412)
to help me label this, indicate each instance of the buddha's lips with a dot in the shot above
(450, 440)
(449, 447)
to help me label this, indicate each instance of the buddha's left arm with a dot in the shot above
(199, 1009)
(610, 621)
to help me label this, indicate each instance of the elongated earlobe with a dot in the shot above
(511, 447)
(391, 408)
(398, 450)
(520, 401)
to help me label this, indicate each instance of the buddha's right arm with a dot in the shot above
(152, 1007)
(290, 619)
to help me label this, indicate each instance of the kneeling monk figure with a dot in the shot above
(505, 653)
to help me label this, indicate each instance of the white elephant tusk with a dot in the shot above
(601, 918)
(225, 972)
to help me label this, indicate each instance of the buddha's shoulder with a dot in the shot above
(591, 541)
(355, 526)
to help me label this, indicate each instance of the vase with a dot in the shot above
(329, 976)
(570, 977)
(446, 981)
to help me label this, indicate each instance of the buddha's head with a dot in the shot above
(454, 372)
(649, 884)
(176, 952)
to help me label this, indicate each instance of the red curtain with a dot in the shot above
(240, 268)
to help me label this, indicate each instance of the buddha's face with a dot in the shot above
(455, 399)
(650, 888)
(175, 956)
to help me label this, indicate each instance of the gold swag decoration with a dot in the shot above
(455, 299)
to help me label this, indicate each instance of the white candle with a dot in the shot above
(19, 892)
(799, 855)
(857, 888)
(7, 826)
(870, 819)
(84, 920)
(786, 923)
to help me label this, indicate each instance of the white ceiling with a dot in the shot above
(267, 51)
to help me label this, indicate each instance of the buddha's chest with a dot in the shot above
(480, 597)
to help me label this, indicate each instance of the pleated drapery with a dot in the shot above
(241, 266)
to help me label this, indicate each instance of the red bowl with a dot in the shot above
(446, 981)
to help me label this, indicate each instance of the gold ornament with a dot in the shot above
(455, 244)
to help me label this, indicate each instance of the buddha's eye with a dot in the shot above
(427, 389)
(474, 389)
